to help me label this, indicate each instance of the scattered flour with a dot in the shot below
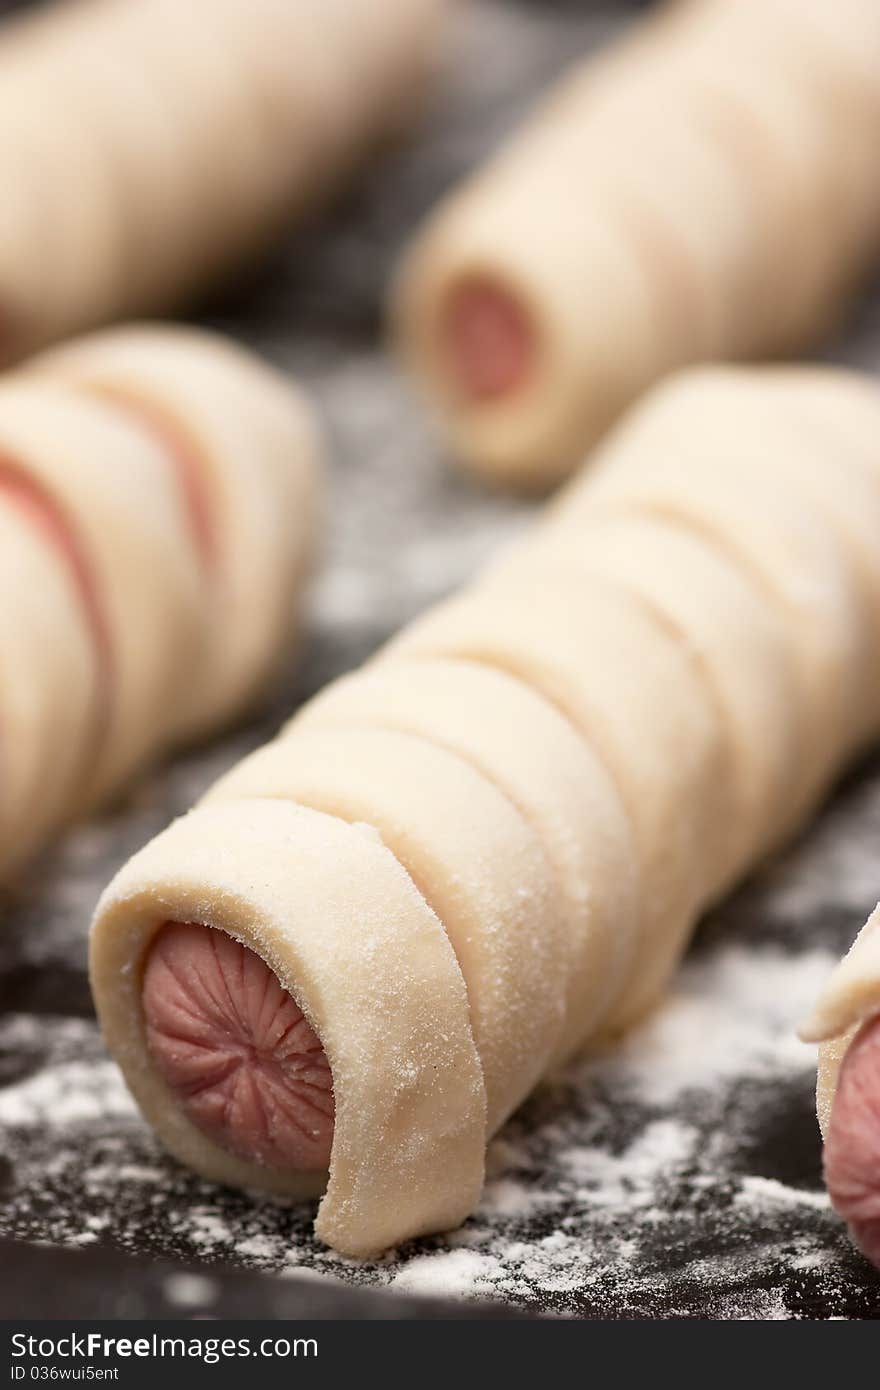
(207, 1229)
(768, 1192)
(71, 1093)
(613, 1175)
(731, 1015)
(452, 1274)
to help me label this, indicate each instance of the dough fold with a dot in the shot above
(534, 756)
(631, 689)
(736, 640)
(850, 998)
(248, 437)
(475, 861)
(49, 694)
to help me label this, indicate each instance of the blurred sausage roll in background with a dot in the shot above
(704, 189)
(488, 848)
(158, 492)
(150, 146)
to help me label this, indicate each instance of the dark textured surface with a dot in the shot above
(679, 1176)
(102, 1282)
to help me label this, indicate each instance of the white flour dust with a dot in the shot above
(614, 1169)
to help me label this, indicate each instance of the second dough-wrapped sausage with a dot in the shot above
(158, 493)
(704, 189)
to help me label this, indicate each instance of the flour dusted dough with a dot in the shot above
(254, 440)
(151, 146)
(117, 624)
(324, 904)
(48, 691)
(465, 847)
(726, 622)
(850, 998)
(110, 479)
(836, 407)
(567, 762)
(703, 189)
(536, 758)
(753, 512)
(632, 691)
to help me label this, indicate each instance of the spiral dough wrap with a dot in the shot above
(158, 494)
(151, 146)
(703, 190)
(488, 848)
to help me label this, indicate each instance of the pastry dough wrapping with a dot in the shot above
(643, 709)
(48, 687)
(457, 837)
(338, 919)
(114, 639)
(719, 477)
(737, 640)
(531, 752)
(643, 219)
(112, 482)
(851, 997)
(236, 419)
(150, 147)
(568, 761)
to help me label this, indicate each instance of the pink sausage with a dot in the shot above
(236, 1050)
(852, 1145)
(488, 340)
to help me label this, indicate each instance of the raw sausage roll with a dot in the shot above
(644, 219)
(151, 146)
(157, 501)
(556, 771)
(847, 1024)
